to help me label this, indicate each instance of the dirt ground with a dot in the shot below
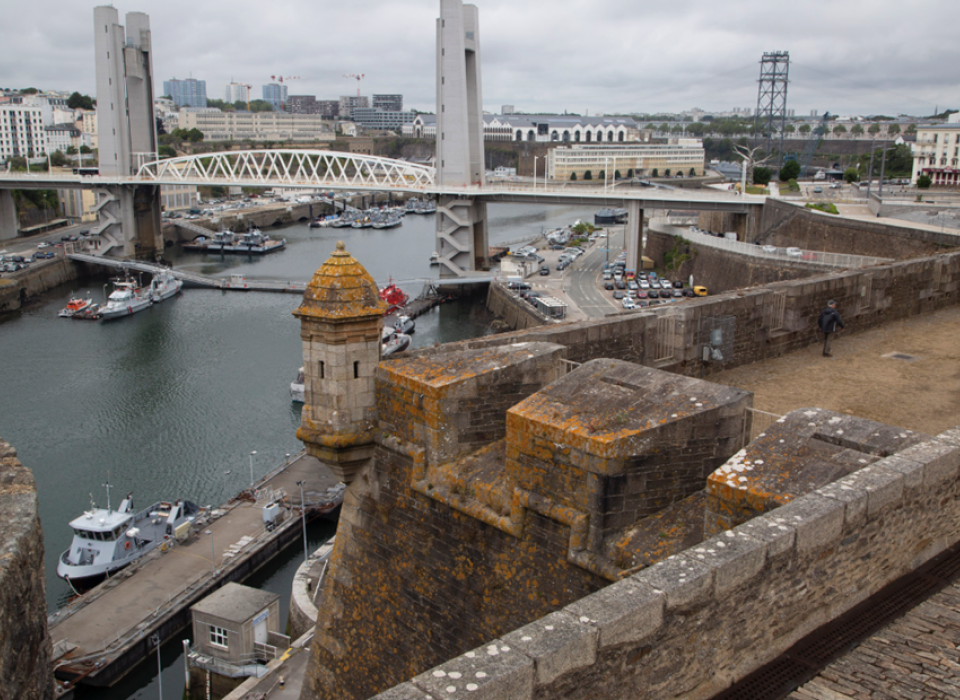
(921, 394)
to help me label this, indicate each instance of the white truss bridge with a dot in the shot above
(268, 168)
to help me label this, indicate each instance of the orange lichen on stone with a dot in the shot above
(341, 289)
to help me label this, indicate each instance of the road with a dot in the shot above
(583, 277)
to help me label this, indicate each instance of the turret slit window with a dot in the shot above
(321, 369)
(356, 370)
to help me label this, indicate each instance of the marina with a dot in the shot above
(103, 634)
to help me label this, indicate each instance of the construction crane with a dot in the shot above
(359, 78)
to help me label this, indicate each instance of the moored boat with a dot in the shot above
(396, 342)
(163, 286)
(106, 540)
(126, 299)
(297, 388)
(75, 306)
(395, 297)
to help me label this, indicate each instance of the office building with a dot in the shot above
(186, 93)
(388, 103)
(679, 157)
(936, 153)
(256, 126)
(236, 92)
(328, 108)
(372, 118)
(350, 102)
(276, 95)
(302, 104)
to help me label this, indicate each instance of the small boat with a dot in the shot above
(163, 286)
(388, 221)
(91, 313)
(126, 299)
(404, 324)
(435, 258)
(395, 297)
(106, 540)
(296, 388)
(75, 306)
(316, 223)
(396, 342)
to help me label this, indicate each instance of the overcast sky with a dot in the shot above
(602, 56)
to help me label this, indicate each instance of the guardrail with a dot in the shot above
(769, 252)
(756, 422)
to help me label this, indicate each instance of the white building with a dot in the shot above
(179, 197)
(60, 137)
(541, 128)
(677, 158)
(255, 126)
(236, 92)
(936, 152)
(21, 131)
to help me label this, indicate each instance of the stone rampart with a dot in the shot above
(786, 224)
(764, 322)
(681, 628)
(722, 270)
(25, 648)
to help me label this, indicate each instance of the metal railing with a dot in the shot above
(756, 422)
(769, 252)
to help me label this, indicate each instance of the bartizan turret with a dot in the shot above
(340, 323)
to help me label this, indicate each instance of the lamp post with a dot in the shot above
(156, 640)
(303, 520)
(535, 159)
(252, 455)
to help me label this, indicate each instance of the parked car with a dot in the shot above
(518, 285)
(678, 294)
(618, 294)
(620, 284)
(608, 285)
(607, 275)
(653, 294)
(627, 303)
(633, 285)
(642, 294)
(43, 244)
(677, 284)
(688, 292)
(700, 291)
(769, 249)
(794, 252)
(544, 270)
(562, 265)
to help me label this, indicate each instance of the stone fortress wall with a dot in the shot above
(25, 648)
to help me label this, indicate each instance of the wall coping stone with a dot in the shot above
(940, 458)
(884, 488)
(735, 557)
(780, 538)
(818, 521)
(626, 611)
(684, 582)
(557, 643)
(495, 671)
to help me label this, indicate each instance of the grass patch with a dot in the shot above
(756, 189)
(825, 207)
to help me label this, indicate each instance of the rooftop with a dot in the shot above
(235, 603)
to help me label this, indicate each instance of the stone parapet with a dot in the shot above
(676, 629)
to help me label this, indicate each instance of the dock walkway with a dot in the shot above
(104, 633)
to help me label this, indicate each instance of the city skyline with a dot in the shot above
(614, 58)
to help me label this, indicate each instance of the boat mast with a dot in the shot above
(108, 487)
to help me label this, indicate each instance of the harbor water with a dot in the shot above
(172, 402)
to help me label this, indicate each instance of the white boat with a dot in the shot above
(126, 299)
(163, 286)
(435, 258)
(296, 388)
(396, 342)
(401, 324)
(106, 540)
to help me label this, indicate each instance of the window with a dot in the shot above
(321, 369)
(356, 370)
(218, 637)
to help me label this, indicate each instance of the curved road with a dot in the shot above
(582, 282)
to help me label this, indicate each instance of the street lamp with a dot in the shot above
(303, 520)
(535, 158)
(252, 454)
(156, 641)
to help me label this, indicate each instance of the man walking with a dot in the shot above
(828, 322)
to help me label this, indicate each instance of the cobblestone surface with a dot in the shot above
(915, 658)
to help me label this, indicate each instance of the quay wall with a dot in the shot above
(764, 322)
(25, 646)
(9, 296)
(695, 623)
(35, 280)
(514, 311)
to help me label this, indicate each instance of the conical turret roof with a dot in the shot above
(341, 289)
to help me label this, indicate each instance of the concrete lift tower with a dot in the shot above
(461, 220)
(772, 101)
(126, 132)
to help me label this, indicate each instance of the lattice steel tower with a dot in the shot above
(772, 101)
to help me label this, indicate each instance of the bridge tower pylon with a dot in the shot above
(126, 131)
(462, 242)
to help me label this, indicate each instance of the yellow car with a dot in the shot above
(700, 291)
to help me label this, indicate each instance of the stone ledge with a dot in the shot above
(780, 538)
(494, 671)
(557, 643)
(939, 457)
(817, 520)
(883, 488)
(684, 582)
(626, 611)
(734, 558)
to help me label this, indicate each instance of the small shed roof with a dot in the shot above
(235, 603)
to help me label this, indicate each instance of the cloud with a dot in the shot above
(855, 56)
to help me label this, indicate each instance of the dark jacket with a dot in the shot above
(829, 320)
